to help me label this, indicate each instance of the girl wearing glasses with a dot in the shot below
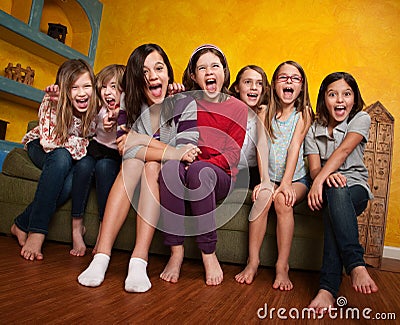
(287, 121)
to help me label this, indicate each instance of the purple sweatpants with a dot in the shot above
(200, 186)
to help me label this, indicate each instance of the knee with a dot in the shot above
(280, 204)
(200, 175)
(338, 194)
(151, 172)
(106, 167)
(130, 165)
(86, 164)
(61, 159)
(152, 168)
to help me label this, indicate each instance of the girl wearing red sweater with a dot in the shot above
(221, 122)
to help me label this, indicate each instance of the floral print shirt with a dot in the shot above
(76, 144)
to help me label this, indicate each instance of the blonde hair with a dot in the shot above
(106, 74)
(67, 75)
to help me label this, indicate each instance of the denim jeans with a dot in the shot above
(105, 171)
(53, 189)
(341, 244)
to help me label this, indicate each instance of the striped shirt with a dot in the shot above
(178, 123)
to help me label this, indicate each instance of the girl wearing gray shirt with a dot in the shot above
(335, 146)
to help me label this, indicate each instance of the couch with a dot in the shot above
(18, 181)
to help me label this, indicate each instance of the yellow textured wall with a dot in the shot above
(360, 36)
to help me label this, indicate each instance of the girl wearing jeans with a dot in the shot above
(56, 145)
(335, 148)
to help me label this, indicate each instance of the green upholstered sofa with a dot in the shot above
(18, 181)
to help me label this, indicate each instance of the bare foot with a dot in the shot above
(173, 268)
(32, 250)
(282, 281)
(248, 274)
(21, 235)
(322, 302)
(78, 231)
(214, 274)
(361, 280)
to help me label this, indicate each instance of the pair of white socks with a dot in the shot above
(136, 281)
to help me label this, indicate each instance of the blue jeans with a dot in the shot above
(105, 171)
(341, 244)
(53, 189)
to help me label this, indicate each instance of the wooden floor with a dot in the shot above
(47, 292)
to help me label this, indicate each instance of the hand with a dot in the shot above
(113, 113)
(188, 153)
(336, 180)
(121, 144)
(53, 91)
(109, 121)
(175, 88)
(315, 197)
(288, 192)
(265, 185)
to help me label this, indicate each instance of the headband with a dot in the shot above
(204, 47)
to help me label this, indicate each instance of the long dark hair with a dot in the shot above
(134, 81)
(322, 111)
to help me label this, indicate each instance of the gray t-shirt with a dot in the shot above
(318, 141)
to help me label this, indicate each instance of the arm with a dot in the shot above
(329, 172)
(186, 138)
(291, 161)
(262, 157)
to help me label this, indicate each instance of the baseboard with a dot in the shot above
(391, 252)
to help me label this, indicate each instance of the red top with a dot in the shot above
(222, 128)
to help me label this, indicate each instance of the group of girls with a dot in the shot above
(189, 151)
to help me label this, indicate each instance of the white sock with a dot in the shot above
(93, 276)
(137, 279)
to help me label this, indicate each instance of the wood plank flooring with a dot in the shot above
(47, 292)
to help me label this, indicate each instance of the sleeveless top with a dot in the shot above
(278, 149)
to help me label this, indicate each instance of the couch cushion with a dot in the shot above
(18, 164)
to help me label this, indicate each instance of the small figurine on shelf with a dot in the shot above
(20, 74)
(57, 31)
(29, 76)
(9, 71)
(17, 75)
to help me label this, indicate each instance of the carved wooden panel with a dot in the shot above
(378, 160)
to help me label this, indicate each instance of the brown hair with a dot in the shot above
(191, 67)
(302, 102)
(265, 84)
(106, 74)
(67, 75)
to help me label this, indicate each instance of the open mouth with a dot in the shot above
(211, 84)
(288, 90)
(82, 104)
(340, 109)
(252, 95)
(156, 90)
(110, 102)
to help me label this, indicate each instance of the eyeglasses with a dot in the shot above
(296, 79)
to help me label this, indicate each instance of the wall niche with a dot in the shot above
(25, 25)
